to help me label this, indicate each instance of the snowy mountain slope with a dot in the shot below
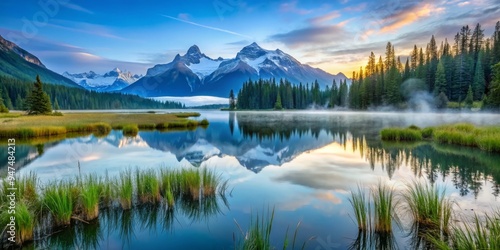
(110, 81)
(216, 77)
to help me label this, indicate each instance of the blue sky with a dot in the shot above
(78, 36)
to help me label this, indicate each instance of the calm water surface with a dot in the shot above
(301, 163)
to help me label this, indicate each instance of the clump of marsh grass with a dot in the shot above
(210, 182)
(190, 183)
(58, 200)
(478, 233)
(130, 130)
(101, 129)
(148, 186)
(27, 188)
(360, 202)
(384, 208)
(89, 197)
(125, 189)
(167, 179)
(25, 220)
(258, 235)
(428, 206)
(105, 190)
(401, 134)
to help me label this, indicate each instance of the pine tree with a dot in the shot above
(440, 84)
(3, 108)
(38, 102)
(494, 95)
(441, 101)
(232, 101)
(469, 99)
(479, 83)
(56, 105)
(278, 105)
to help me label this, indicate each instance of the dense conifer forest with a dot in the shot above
(14, 93)
(464, 71)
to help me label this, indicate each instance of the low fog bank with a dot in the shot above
(194, 101)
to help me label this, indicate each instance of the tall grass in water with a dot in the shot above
(105, 190)
(428, 206)
(360, 202)
(384, 208)
(167, 186)
(476, 234)
(210, 182)
(258, 235)
(147, 186)
(125, 189)
(130, 130)
(401, 134)
(89, 197)
(58, 200)
(25, 220)
(27, 188)
(190, 183)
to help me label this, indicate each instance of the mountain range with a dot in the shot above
(113, 80)
(20, 64)
(192, 74)
(195, 73)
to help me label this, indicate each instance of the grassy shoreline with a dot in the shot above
(46, 208)
(20, 126)
(461, 134)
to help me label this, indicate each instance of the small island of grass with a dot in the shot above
(21, 126)
(462, 134)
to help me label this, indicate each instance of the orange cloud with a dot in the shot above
(408, 17)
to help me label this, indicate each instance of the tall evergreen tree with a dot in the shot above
(232, 101)
(440, 84)
(38, 102)
(479, 83)
(494, 95)
(3, 108)
(278, 105)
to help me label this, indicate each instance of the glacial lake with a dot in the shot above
(302, 164)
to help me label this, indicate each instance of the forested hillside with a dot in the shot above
(14, 93)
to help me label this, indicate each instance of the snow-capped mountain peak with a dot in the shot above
(113, 80)
(251, 52)
(194, 73)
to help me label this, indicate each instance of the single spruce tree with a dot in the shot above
(278, 105)
(469, 98)
(232, 101)
(38, 102)
(3, 108)
(56, 105)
